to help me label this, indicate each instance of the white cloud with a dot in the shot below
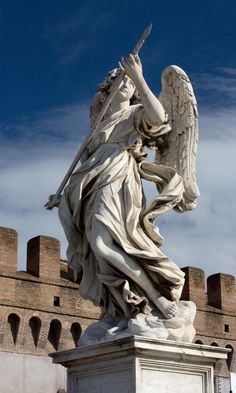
(73, 33)
(205, 237)
(222, 82)
(33, 167)
(217, 124)
(228, 70)
(25, 187)
(70, 122)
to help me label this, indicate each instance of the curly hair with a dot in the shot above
(104, 89)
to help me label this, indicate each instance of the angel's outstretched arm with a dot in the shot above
(154, 110)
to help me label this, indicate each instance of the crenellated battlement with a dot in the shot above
(43, 256)
(43, 261)
(41, 309)
(8, 250)
(194, 287)
(220, 293)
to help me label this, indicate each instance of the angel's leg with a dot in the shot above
(104, 247)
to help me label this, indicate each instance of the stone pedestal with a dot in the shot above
(140, 365)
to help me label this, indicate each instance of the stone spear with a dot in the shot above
(55, 198)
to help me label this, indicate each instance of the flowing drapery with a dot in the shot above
(108, 188)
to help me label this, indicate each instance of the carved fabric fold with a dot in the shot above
(107, 188)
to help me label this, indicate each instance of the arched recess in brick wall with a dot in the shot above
(75, 332)
(14, 322)
(230, 356)
(35, 326)
(214, 344)
(54, 333)
(199, 342)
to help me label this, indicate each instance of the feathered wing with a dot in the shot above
(178, 148)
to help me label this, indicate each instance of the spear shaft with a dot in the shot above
(53, 201)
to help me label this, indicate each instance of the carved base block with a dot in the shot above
(140, 365)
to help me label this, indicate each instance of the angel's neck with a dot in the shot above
(118, 106)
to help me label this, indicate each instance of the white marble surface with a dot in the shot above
(155, 381)
(114, 243)
(179, 328)
(180, 147)
(23, 373)
(140, 365)
(233, 382)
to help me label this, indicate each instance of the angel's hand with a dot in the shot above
(132, 66)
(56, 203)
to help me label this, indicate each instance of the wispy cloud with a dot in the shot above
(220, 86)
(217, 124)
(33, 164)
(25, 187)
(74, 33)
(70, 123)
(67, 24)
(205, 237)
(35, 153)
(227, 71)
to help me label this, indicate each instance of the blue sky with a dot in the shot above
(53, 55)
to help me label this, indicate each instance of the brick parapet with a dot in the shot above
(24, 276)
(42, 296)
(215, 321)
(194, 288)
(25, 342)
(216, 325)
(40, 310)
(43, 257)
(44, 266)
(8, 249)
(49, 295)
(221, 292)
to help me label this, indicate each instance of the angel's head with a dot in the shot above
(126, 92)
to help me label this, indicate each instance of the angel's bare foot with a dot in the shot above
(167, 307)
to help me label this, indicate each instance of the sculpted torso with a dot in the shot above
(114, 245)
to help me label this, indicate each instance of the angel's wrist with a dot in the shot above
(138, 80)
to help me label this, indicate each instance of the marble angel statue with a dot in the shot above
(114, 244)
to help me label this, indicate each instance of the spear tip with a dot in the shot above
(149, 29)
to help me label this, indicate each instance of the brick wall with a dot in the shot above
(8, 249)
(215, 321)
(41, 310)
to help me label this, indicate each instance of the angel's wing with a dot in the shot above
(178, 148)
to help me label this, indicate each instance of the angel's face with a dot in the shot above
(125, 91)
